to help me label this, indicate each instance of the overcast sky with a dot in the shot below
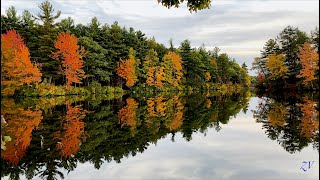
(238, 27)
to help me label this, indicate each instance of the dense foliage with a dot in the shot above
(193, 5)
(290, 61)
(110, 55)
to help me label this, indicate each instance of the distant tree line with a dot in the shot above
(65, 53)
(290, 61)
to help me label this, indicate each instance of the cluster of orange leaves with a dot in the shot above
(71, 55)
(16, 66)
(20, 125)
(73, 131)
(309, 60)
(155, 76)
(310, 119)
(127, 69)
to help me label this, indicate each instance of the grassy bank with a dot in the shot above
(48, 90)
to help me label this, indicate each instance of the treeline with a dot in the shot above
(290, 61)
(69, 54)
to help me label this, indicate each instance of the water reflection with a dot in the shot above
(291, 120)
(49, 135)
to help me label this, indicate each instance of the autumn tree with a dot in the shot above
(277, 67)
(309, 60)
(70, 55)
(17, 68)
(127, 69)
(172, 63)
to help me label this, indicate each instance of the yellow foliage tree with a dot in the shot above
(276, 66)
(172, 64)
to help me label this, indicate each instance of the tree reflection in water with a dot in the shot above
(291, 120)
(61, 132)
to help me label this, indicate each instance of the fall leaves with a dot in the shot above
(309, 60)
(156, 73)
(71, 55)
(127, 69)
(16, 66)
(18, 70)
(276, 66)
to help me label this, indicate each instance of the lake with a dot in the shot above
(178, 136)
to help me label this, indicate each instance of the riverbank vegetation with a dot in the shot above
(290, 61)
(42, 57)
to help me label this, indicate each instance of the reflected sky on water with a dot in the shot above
(239, 150)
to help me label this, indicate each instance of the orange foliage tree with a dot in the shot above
(309, 60)
(73, 134)
(71, 56)
(16, 66)
(21, 123)
(127, 69)
(310, 119)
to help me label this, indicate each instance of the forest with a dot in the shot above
(290, 62)
(41, 57)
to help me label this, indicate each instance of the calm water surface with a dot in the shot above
(161, 137)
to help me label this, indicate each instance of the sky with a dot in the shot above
(238, 27)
